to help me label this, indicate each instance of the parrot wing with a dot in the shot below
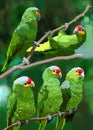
(66, 94)
(65, 87)
(11, 108)
(42, 96)
(17, 42)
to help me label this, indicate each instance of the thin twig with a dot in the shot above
(21, 67)
(35, 119)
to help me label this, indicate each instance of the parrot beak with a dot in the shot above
(82, 75)
(60, 75)
(38, 14)
(32, 84)
(75, 31)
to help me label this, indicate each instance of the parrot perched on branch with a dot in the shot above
(23, 36)
(62, 44)
(72, 94)
(21, 104)
(49, 96)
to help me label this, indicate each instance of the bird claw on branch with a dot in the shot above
(26, 61)
(36, 43)
(49, 117)
(59, 113)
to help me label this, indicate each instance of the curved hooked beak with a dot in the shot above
(82, 75)
(75, 31)
(39, 15)
(60, 75)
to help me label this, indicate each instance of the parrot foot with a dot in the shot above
(25, 60)
(49, 117)
(70, 111)
(51, 33)
(74, 109)
(18, 123)
(36, 43)
(59, 113)
(27, 121)
(66, 24)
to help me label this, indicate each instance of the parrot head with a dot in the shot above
(55, 70)
(76, 73)
(79, 30)
(24, 81)
(31, 13)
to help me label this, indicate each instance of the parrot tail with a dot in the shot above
(42, 125)
(5, 66)
(60, 123)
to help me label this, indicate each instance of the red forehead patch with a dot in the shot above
(29, 80)
(58, 70)
(79, 27)
(80, 71)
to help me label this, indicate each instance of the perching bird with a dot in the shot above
(21, 104)
(49, 96)
(23, 36)
(63, 44)
(72, 94)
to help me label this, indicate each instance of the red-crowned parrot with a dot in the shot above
(63, 44)
(72, 94)
(23, 36)
(21, 103)
(49, 96)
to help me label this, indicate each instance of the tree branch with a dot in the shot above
(36, 119)
(23, 65)
(61, 27)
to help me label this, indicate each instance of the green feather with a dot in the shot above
(23, 36)
(21, 105)
(62, 44)
(49, 97)
(72, 94)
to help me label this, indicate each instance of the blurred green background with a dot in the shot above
(54, 13)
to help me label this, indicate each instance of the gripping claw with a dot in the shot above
(36, 43)
(49, 117)
(18, 123)
(70, 111)
(66, 24)
(59, 113)
(25, 60)
(27, 121)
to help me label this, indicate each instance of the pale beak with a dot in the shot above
(39, 15)
(82, 76)
(60, 75)
(32, 84)
(75, 31)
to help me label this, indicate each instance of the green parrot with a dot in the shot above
(72, 94)
(23, 36)
(49, 96)
(62, 44)
(21, 104)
